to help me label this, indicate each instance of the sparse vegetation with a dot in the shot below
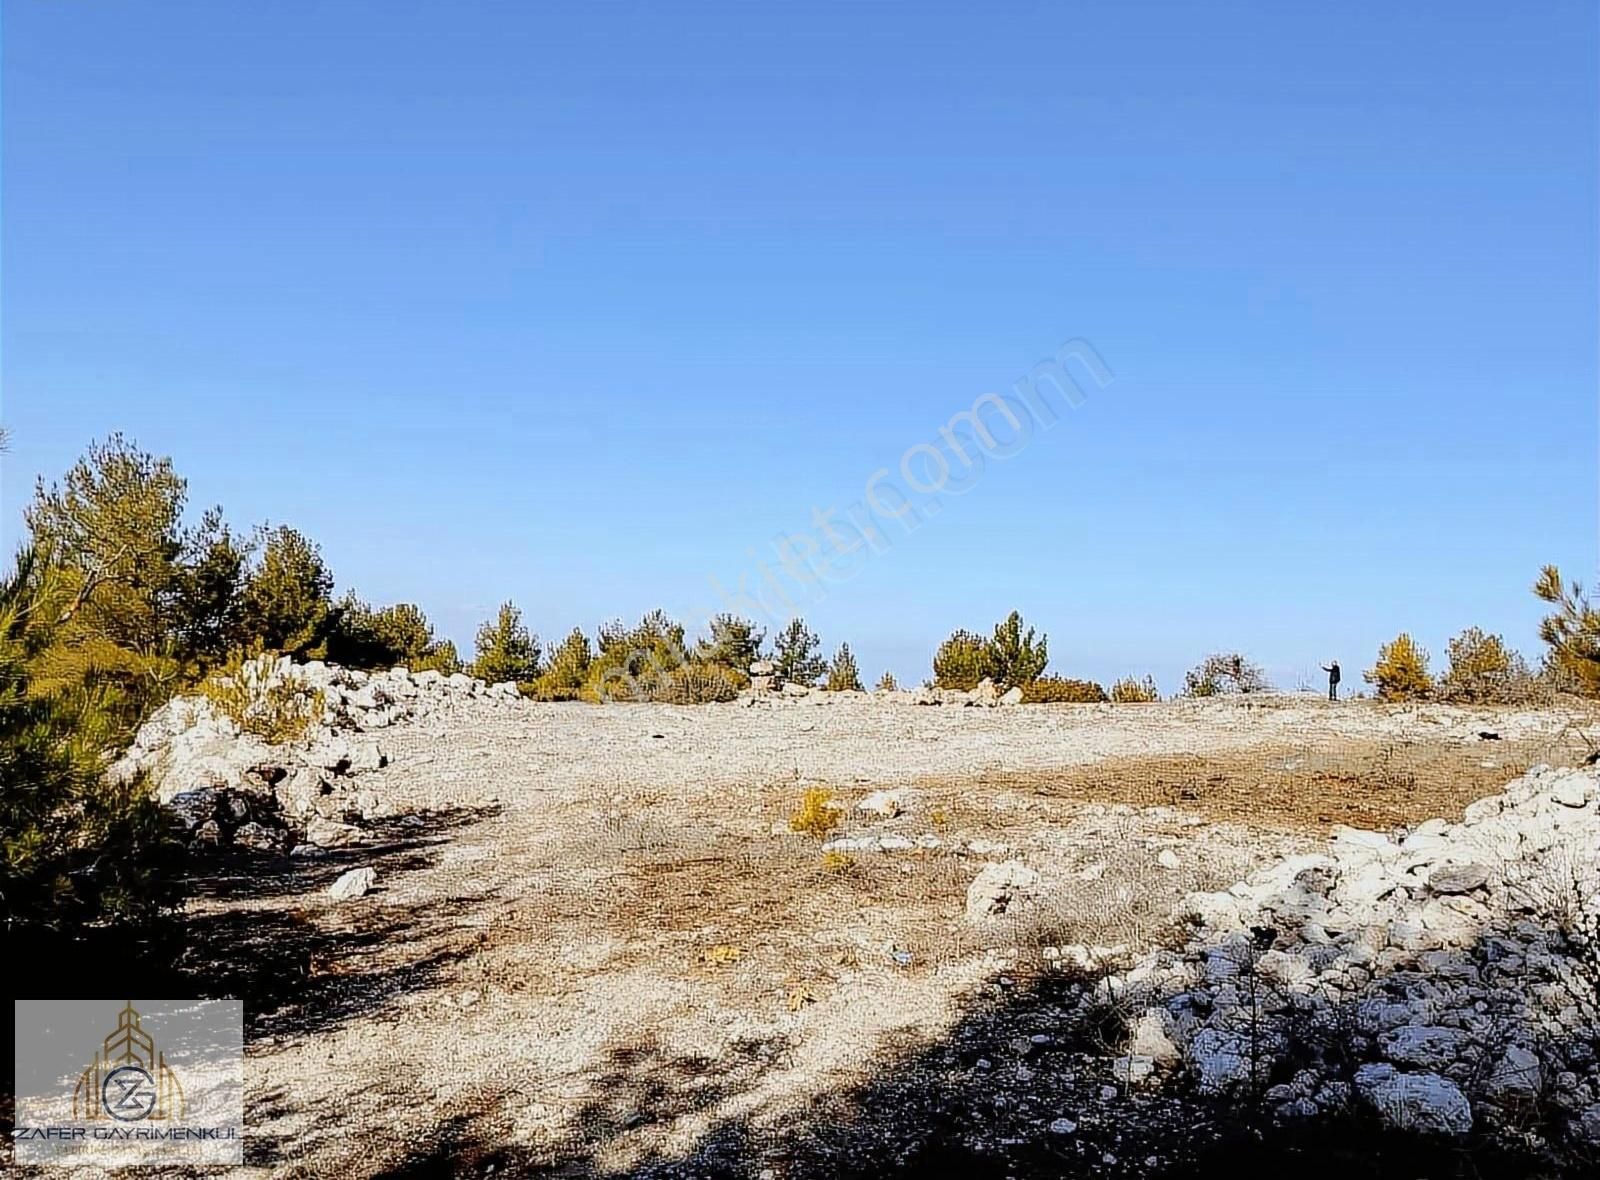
(886, 683)
(1401, 673)
(1129, 691)
(1062, 690)
(274, 705)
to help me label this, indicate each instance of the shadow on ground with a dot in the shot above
(979, 1102)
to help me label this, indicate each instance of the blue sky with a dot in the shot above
(585, 306)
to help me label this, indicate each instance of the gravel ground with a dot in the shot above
(595, 946)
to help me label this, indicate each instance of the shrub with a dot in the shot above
(843, 675)
(961, 661)
(1222, 673)
(1483, 670)
(886, 683)
(733, 643)
(1129, 691)
(1016, 657)
(1401, 673)
(816, 815)
(75, 847)
(1573, 632)
(258, 696)
(1062, 690)
(697, 683)
(564, 676)
(796, 654)
(506, 650)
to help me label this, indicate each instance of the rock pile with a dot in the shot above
(227, 786)
(1444, 976)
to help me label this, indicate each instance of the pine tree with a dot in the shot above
(110, 539)
(506, 650)
(843, 675)
(1572, 630)
(1015, 658)
(795, 655)
(886, 683)
(733, 643)
(568, 669)
(74, 846)
(288, 603)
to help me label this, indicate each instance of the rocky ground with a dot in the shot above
(475, 933)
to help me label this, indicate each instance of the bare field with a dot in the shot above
(596, 948)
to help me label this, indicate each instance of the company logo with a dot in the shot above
(129, 1079)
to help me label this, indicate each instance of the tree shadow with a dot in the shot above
(988, 1100)
(300, 967)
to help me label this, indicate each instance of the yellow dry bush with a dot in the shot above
(816, 815)
(1129, 691)
(837, 862)
(1401, 673)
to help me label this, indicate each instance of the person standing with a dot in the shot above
(1333, 679)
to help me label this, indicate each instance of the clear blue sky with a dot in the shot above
(584, 305)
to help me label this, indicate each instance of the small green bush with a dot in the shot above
(1401, 673)
(1062, 690)
(1129, 691)
(886, 683)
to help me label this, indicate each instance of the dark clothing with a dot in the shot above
(1333, 681)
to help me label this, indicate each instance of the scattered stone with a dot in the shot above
(356, 883)
(998, 889)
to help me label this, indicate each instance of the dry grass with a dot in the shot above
(1362, 784)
